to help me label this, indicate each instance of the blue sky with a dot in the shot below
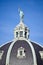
(9, 18)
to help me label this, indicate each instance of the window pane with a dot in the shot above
(20, 52)
(25, 34)
(21, 33)
(16, 34)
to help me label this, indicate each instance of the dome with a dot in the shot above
(21, 50)
(26, 49)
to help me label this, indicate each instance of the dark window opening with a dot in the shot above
(24, 50)
(25, 34)
(20, 52)
(21, 33)
(16, 34)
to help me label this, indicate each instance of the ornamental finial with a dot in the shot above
(21, 14)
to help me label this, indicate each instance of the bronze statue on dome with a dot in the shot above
(21, 14)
